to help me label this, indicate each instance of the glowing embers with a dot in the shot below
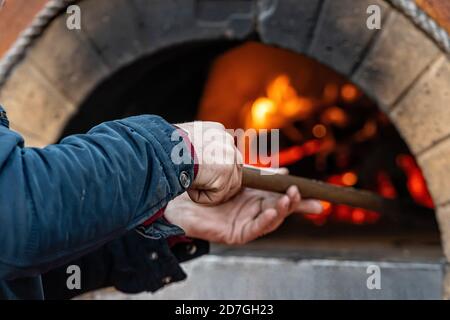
(329, 130)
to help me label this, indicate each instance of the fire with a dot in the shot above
(280, 106)
(385, 186)
(329, 130)
(349, 179)
(349, 92)
(262, 108)
(319, 131)
(416, 184)
(294, 154)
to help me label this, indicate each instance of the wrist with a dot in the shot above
(178, 212)
(189, 147)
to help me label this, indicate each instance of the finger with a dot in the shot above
(309, 206)
(294, 195)
(257, 227)
(205, 197)
(283, 171)
(236, 181)
(283, 205)
(270, 199)
(283, 210)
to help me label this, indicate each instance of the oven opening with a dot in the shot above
(329, 130)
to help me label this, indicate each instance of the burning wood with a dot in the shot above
(330, 131)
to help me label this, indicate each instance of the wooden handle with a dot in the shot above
(256, 179)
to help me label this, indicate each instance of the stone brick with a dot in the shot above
(396, 59)
(435, 164)
(289, 23)
(177, 21)
(68, 60)
(342, 35)
(443, 217)
(423, 114)
(34, 107)
(113, 28)
(446, 290)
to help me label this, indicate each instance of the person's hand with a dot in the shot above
(249, 215)
(220, 162)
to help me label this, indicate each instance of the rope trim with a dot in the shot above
(54, 7)
(424, 21)
(15, 54)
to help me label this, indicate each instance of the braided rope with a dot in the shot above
(26, 38)
(54, 7)
(424, 21)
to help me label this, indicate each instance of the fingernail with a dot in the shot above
(318, 207)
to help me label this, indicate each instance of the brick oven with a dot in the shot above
(356, 107)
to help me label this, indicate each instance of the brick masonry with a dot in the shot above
(399, 55)
(423, 114)
(73, 66)
(41, 94)
(435, 164)
(34, 106)
(175, 22)
(112, 27)
(443, 216)
(341, 35)
(279, 23)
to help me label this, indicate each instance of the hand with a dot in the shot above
(220, 163)
(249, 215)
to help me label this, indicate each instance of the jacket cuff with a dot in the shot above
(153, 264)
(177, 162)
(3, 118)
(144, 229)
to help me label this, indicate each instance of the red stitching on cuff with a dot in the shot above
(172, 241)
(191, 148)
(154, 217)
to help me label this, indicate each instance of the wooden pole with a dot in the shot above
(253, 178)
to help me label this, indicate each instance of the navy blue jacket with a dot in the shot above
(79, 202)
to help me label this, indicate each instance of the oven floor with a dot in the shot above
(297, 242)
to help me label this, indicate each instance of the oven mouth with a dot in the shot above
(171, 83)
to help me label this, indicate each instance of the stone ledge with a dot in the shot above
(218, 277)
(443, 217)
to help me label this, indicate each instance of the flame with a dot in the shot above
(261, 110)
(319, 131)
(385, 186)
(416, 183)
(349, 92)
(349, 179)
(336, 116)
(280, 106)
(326, 123)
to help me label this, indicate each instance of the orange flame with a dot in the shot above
(280, 106)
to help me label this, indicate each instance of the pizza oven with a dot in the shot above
(355, 106)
